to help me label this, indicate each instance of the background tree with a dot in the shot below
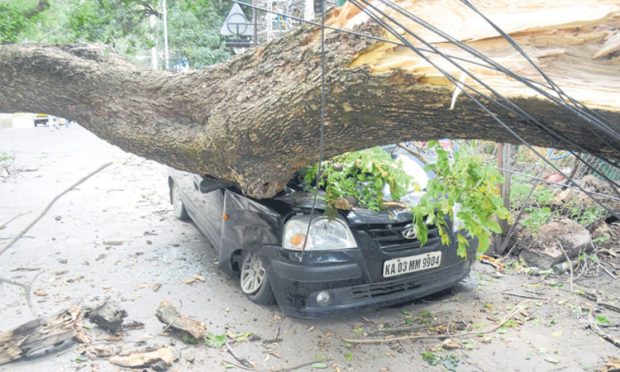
(123, 25)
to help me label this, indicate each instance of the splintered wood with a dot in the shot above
(170, 316)
(42, 334)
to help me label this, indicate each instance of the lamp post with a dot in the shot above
(165, 19)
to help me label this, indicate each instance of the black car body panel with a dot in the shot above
(353, 277)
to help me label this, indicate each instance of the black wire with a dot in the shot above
(321, 126)
(513, 107)
(474, 99)
(516, 46)
(500, 68)
(589, 115)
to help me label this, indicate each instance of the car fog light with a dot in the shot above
(323, 298)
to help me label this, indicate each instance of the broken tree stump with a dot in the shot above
(42, 334)
(108, 316)
(168, 314)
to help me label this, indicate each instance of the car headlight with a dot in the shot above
(325, 234)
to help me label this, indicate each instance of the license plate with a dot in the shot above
(410, 264)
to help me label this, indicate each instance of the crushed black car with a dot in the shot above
(359, 259)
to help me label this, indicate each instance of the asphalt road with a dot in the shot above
(115, 236)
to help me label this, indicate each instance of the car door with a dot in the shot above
(208, 208)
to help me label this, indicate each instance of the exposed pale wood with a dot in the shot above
(159, 359)
(253, 120)
(41, 334)
(184, 325)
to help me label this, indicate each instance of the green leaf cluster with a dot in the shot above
(360, 175)
(465, 189)
(123, 25)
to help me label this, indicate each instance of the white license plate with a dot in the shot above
(410, 264)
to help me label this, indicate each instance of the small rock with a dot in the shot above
(40, 292)
(58, 218)
(113, 242)
(108, 316)
(62, 261)
(450, 344)
(190, 357)
(101, 257)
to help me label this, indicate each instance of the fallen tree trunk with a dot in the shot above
(254, 120)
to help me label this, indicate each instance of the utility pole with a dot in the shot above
(165, 19)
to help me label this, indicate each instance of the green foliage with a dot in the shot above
(189, 339)
(536, 217)
(519, 192)
(122, 24)
(12, 22)
(194, 32)
(215, 341)
(584, 215)
(543, 195)
(465, 184)
(431, 358)
(602, 320)
(193, 26)
(360, 175)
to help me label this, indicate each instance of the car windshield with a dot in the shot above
(414, 167)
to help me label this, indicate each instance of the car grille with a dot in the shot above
(390, 239)
(404, 284)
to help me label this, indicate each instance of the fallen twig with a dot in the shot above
(27, 290)
(49, 206)
(243, 361)
(520, 307)
(605, 336)
(3, 225)
(593, 296)
(299, 366)
(607, 271)
(525, 296)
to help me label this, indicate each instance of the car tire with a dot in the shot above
(254, 280)
(178, 208)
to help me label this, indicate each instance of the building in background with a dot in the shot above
(246, 28)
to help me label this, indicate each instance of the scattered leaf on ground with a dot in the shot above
(215, 341)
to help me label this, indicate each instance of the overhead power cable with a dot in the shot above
(373, 15)
(321, 126)
(509, 105)
(516, 46)
(549, 130)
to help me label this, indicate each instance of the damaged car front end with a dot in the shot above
(310, 264)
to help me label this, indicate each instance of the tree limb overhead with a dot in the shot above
(254, 120)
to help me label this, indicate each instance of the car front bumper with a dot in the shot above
(298, 279)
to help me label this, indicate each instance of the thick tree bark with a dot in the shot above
(254, 120)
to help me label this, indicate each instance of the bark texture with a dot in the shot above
(254, 120)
